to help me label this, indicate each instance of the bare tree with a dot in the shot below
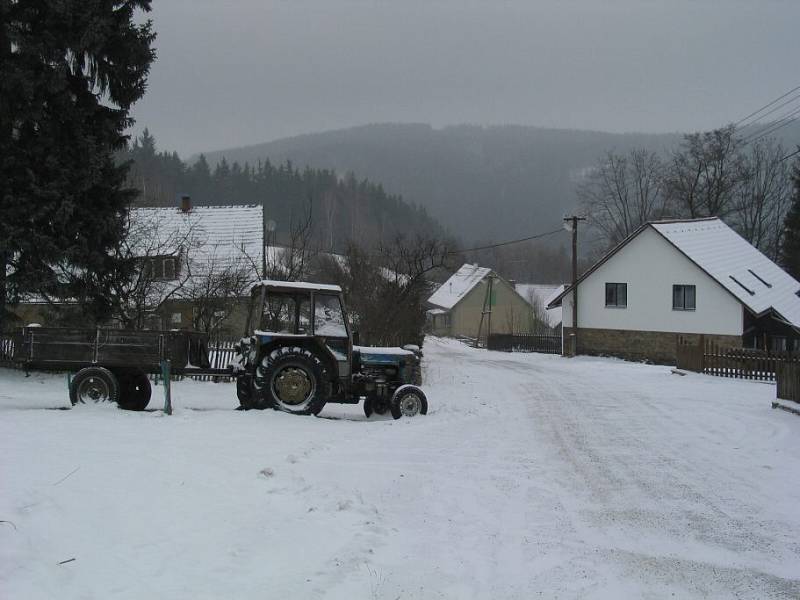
(158, 255)
(763, 196)
(292, 261)
(386, 288)
(623, 192)
(218, 282)
(703, 173)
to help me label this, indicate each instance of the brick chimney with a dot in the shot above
(186, 203)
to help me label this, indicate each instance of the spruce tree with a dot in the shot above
(69, 73)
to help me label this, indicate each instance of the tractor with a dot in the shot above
(299, 356)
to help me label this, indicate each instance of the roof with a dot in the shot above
(298, 285)
(218, 233)
(756, 281)
(452, 291)
(542, 294)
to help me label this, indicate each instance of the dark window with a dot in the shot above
(683, 297)
(617, 295)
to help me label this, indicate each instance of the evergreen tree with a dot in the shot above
(790, 249)
(69, 73)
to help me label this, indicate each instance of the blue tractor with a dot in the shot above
(300, 355)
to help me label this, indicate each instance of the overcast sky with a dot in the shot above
(249, 71)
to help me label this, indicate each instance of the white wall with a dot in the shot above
(650, 266)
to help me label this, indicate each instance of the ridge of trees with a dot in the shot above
(344, 208)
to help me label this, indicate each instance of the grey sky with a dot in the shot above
(248, 71)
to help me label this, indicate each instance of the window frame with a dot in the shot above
(624, 285)
(684, 287)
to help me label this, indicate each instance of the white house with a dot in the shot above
(686, 277)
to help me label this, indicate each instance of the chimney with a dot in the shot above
(186, 203)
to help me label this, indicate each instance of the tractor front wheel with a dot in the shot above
(408, 401)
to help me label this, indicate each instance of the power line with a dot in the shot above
(790, 155)
(780, 106)
(772, 127)
(778, 99)
(508, 243)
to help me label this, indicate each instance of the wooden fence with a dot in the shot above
(710, 358)
(789, 382)
(6, 350)
(525, 342)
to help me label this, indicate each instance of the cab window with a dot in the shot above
(329, 316)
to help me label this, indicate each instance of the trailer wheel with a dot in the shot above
(292, 379)
(93, 385)
(408, 401)
(134, 390)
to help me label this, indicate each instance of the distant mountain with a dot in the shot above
(482, 183)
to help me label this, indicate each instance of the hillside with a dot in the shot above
(482, 183)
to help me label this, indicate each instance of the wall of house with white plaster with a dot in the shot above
(650, 266)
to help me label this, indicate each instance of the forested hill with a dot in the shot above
(342, 207)
(482, 183)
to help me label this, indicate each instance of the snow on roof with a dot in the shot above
(459, 285)
(299, 285)
(542, 294)
(734, 263)
(219, 233)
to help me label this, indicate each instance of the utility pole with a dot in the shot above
(487, 302)
(571, 223)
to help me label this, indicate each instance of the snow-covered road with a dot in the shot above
(531, 476)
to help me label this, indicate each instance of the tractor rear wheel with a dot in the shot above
(293, 380)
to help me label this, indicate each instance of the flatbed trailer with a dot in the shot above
(113, 364)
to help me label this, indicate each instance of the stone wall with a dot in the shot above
(654, 346)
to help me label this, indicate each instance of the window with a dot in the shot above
(161, 268)
(616, 295)
(683, 297)
(287, 313)
(328, 316)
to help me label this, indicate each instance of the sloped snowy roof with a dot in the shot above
(757, 282)
(224, 232)
(543, 294)
(459, 285)
(734, 263)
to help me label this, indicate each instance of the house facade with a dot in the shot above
(457, 305)
(681, 278)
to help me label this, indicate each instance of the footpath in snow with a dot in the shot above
(531, 476)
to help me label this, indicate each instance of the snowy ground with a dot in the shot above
(531, 476)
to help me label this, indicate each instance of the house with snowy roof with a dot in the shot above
(539, 296)
(681, 278)
(457, 306)
(197, 255)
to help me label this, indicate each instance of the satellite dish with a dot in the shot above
(271, 225)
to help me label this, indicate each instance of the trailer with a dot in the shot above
(112, 365)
